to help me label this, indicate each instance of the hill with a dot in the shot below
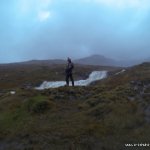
(91, 60)
(96, 60)
(45, 62)
(104, 61)
(115, 111)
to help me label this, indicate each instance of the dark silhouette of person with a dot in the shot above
(69, 69)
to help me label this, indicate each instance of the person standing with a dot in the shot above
(69, 69)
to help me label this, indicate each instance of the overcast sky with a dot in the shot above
(45, 29)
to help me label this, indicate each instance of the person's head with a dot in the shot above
(69, 60)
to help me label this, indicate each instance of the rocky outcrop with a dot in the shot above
(142, 90)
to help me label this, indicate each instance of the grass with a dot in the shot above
(22, 75)
(77, 118)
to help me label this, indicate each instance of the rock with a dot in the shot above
(12, 92)
(147, 114)
(122, 71)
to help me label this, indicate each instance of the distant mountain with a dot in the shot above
(105, 61)
(45, 62)
(133, 62)
(38, 62)
(148, 59)
(96, 60)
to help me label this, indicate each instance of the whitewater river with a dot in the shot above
(94, 76)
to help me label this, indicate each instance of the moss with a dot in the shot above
(100, 111)
(79, 117)
(13, 121)
(39, 104)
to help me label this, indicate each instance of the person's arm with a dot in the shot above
(66, 69)
(71, 66)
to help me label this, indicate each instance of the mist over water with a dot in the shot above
(49, 29)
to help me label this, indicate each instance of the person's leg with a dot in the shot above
(72, 80)
(67, 79)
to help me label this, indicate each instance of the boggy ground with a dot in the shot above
(103, 116)
(31, 75)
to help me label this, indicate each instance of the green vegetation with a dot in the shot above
(23, 75)
(104, 115)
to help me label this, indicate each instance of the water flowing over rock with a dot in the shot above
(94, 76)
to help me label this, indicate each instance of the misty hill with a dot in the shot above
(148, 59)
(45, 62)
(133, 62)
(91, 60)
(105, 61)
(97, 60)
(94, 60)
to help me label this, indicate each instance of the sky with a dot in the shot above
(49, 29)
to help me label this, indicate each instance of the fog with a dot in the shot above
(49, 29)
